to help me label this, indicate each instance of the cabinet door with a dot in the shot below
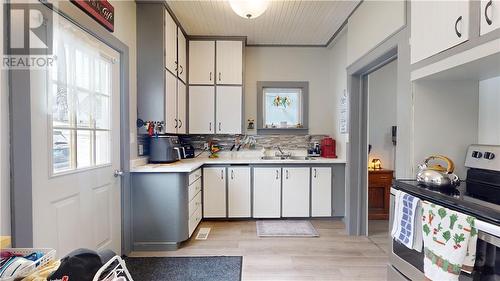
(437, 26)
(229, 109)
(239, 200)
(229, 62)
(181, 107)
(201, 62)
(171, 121)
(295, 192)
(201, 109)
(490, 15)
(170, 43)
(181, 47)
(266, 192)
(214, 192)
(321, 192)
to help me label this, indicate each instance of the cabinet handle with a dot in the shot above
(176, 65)
(180, 121)
(232, 174)
(176, 123)
(459, 34)
(210, 75)
(219, 126)
(182, 69)
(219, 76)
(488, 20)
(286, 174)
(277, 174)
(315, 173)
(221, 174)
(210, 126)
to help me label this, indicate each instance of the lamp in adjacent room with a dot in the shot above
(249, 9)
(376, 164)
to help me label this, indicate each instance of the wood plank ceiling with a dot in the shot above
(284, 22)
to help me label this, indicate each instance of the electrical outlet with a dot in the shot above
(141, 150)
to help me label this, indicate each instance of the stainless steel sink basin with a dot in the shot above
(287, 158)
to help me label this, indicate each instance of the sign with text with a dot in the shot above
(100, 10)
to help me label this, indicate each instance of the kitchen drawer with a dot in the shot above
(195, 204)
(380, 179)
(193, 176)
(194, 189)
(194, 220)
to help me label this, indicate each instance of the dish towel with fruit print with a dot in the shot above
(407, 225)
(449, 242)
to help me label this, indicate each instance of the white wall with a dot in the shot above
(489, 111)
(125, 30)
(4, 147)
(382, 94)
(445, 120)
(372, 23)
(294, 64)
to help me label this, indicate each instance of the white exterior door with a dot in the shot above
(490, 15)
(182, 55)
(266, 192)
(214, 192)
(76, 145)
(201, 62)
(170, 43)
(321, 192)
(181, 107)
(239, 199)
(229, 109)
(229, 63)
(171, 122)
(295, 192)
(201, 109)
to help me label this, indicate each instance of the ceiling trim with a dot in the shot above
(344, 24)
(287, 45)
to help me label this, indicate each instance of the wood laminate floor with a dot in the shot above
(332, 256)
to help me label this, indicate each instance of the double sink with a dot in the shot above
(287, 157)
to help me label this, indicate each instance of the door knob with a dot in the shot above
(118, 173)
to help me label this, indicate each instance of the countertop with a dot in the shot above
(189, 165)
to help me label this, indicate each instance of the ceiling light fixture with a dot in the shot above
(249, 9)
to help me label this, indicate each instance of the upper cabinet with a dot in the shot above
(170, 43)
(201, 62)
(490, 15)
(229, 62)
(182, 69)
(437, 26)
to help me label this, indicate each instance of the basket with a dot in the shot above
(114, 269)
(48, 256)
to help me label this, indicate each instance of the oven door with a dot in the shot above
(410, 263)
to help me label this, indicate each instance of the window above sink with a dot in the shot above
(282, 107)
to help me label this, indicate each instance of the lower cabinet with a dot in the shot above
(296, 192)
(214, 192)
(321, 192)
(239, 192)
(266, 192)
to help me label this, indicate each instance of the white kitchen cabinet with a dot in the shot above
(490, 15)
(214, 192)
(228, 109)
(229, 62)
(181, 46)
(171, 121)
(437, 26)
(181, 107)
(170, 43)
(238, 189)
(321, 192)
(201, 62)
(295, 192)
(201, 109)
(266, 192)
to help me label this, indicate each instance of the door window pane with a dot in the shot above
(61, 102)
(83, 108)
(61, 150)
(101, 111)
(84, 149)
(102, 151)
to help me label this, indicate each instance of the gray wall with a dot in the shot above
(4, 146)
(382, 96)
(489, 103)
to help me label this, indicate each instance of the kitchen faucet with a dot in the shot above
(282, 154)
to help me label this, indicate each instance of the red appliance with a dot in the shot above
(328, 148)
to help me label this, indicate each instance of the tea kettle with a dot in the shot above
(436, 175)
